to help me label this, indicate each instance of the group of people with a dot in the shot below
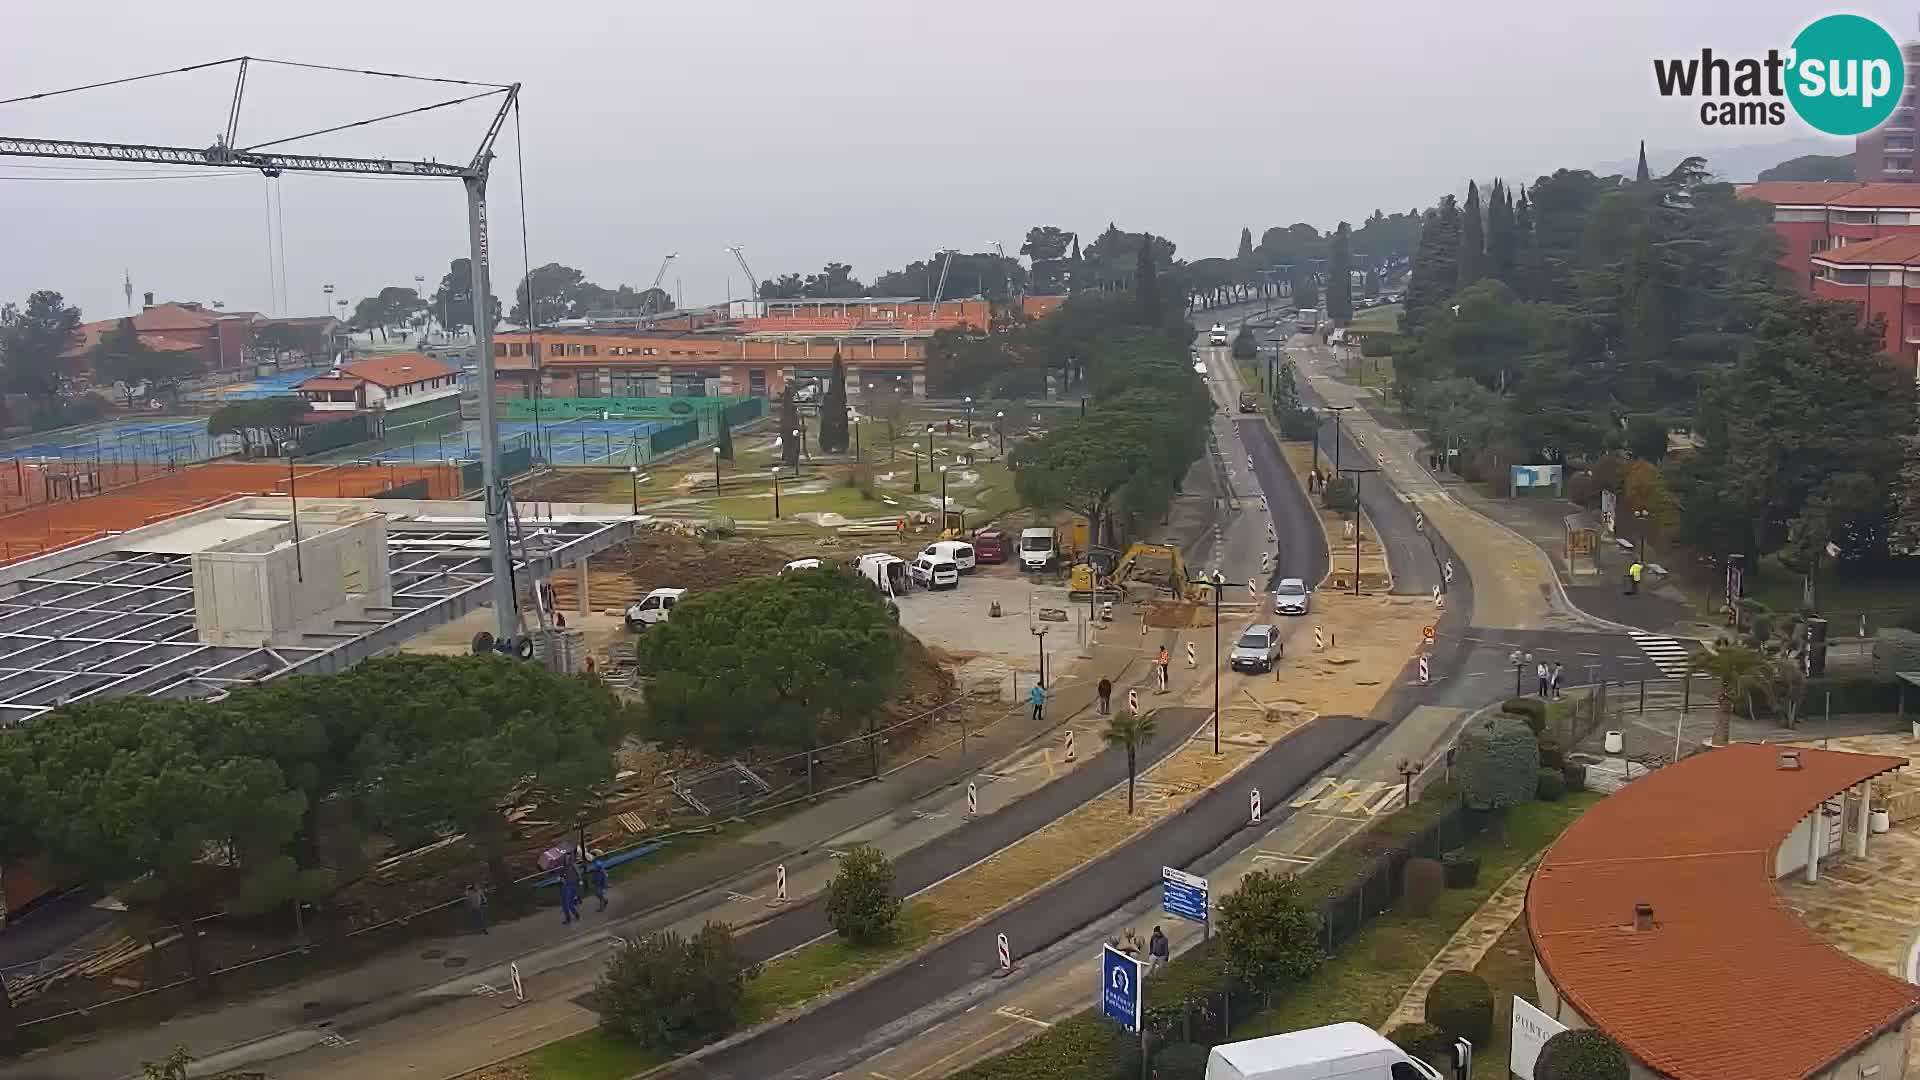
(1157, 948)
(1549, 679)
(576, 872)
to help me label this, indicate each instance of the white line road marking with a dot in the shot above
(1271, 856)
(1014, 1012)
(742, 898)
(1668, 655)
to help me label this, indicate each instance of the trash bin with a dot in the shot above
(1615, 742)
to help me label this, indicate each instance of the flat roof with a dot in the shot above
(1727, 982)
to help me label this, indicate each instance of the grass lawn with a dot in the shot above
(1508, 969)
(1368, 975)
(1842, 600)
(1381, 318)
(589, 1055)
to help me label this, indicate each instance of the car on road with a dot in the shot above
(929, 572)
(1249, 403)
(1257, 649)
(1292, 597)
(1217, 335)
(655, 608)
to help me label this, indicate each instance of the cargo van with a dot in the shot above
(1038, 548)
(990, 546)
(929, 572)
(888, 573)
(656, 608)
(958, 552)
(1348, 1051)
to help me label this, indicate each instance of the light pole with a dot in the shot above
(633, 473)
(1359, 474)
(1520, 662)
(1219, 586)
(969, 417)
(419, 286)
(799, 447)
(293, 498)
(326, 304)
(1336, 410)
(1640, 537)
(1000, 421)
(716, 472)
(854, 423)
(776, 491)
(943, 498)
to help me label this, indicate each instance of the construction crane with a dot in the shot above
(945, 265)
(226, 154)
(1002, 252)
(753, 283)
(646, 306)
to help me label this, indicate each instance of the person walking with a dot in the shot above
(1037, 697)
(597, 877)
(1541, 674)
(1157, 948)
(1553, 681)
(476, 902)
(1634, 572)
(1162, 662)
(569, 900)
(1105, 690)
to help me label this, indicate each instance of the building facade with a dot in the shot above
(1887, 152)
(386, 384)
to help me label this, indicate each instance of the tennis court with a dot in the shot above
(280, 384)
(160, 441)
(565, 442)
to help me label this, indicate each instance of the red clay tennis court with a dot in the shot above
(69, 512)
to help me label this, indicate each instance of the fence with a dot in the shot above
(1376, 891)
(657, 408)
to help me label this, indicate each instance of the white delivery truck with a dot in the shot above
(1038, 548)
(1307, 320)
(1346, 1051)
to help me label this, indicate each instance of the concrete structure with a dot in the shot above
(279, 580)
(385, 384)
(1881, 278)
(1886, 152)
(1655, 919)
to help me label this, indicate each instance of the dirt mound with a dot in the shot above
(925, 682)
(659, 559)
(1176, 615)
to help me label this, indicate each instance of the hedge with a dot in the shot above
(1575, 774)
(1421, 1040)
(1852, 693)
(1460, 869)
(1580, 1054)
(1551, 785)
(1551, 756)
(1460, 1004)
(1532, 710)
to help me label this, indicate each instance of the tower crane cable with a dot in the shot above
(119, 82)
(374, 120)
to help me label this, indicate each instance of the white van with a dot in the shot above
(1038, 548)
(656, 608)
(931, 573)
(801, 564)
(1348, 1051)
(957, 552)
(1217, 335)
(887, 572)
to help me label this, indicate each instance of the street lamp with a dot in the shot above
(287, 448)
(776, 491)
(854, 423)
(716, 472)
(799, 447)
(1219, 586)
(969, 417)
(1359, 474)
(419, 285)
(1336, 410)
(943, 498)
(1520, 662)
(1000, 421)
(326, 305)
(1640, 537)
(633, 473)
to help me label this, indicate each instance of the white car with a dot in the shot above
(1258, 649)
(655, 609)
(1292, 597)
(801, 564)
(958, 552)
(931, 573)
(1217, 335)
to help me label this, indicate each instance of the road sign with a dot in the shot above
(1426, 634)
(1120, 987)
(1426, 673)
(1446, 572)
(1319, 639)
(780, 884)
(1183, 894)
(1069, 744)
(973, 800)
(1005, 952)
(519, 989)
(1190, 659)
(1253, 807)
(1133, 702)
(1266, 562)
(1419, 521)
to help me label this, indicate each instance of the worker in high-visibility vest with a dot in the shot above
(1633, 577)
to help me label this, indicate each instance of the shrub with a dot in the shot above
(1460, 1004)
(1532, 710)
(1298, 425)
(860, 900)
(1550, 786)
(1497, 762)
(722, 526)
(1575, 775)
(1421, 883)
(1181, 1061)
(1337, 494)
(1551, 756)
(666, 992)
(1582, 1054)
(1271, 936)
(1460, 868)
(1421, 1040)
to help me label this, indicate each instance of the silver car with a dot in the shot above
(1292, 597)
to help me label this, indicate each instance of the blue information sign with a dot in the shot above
(1183, 895)
(1120, 987)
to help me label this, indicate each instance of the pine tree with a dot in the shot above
(1340, 277)
(1642, 174)
(1500, 240)
(789, 426)
(833, 410)
(1146, 285)
(1643, 311)
(1470, 265)
(1526, 252)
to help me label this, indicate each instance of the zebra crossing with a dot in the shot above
(1664, 652)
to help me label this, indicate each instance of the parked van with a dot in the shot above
(1038, 548)
(656, 608)
(958, 552)
(929, 572)
(1347, 1051)
(990, 546)
(888, 573)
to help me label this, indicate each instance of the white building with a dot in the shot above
(383, 384)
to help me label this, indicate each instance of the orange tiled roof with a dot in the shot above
(332, 380)
(1727, 983)
(1871, 195)
(1798, 192)
(400, 369)
(1900, 249)
(173, 317)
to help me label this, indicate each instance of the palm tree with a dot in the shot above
(1740, 672)
(1131, 731)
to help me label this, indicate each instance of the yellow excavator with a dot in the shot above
(1163, 569)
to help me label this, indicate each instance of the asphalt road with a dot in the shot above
(815, 1043)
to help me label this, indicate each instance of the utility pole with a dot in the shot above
(1359, 474)
(1336, 410)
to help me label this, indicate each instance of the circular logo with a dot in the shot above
(680, 408)
(1847, 75)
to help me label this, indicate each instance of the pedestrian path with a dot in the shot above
(1667, 654)
(1468, 945)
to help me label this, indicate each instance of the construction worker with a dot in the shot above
(1633, 577)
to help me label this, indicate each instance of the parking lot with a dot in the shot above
(1003, 651)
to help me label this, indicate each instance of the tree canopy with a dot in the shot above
(123, 358)
(33, 341)
(268, 420)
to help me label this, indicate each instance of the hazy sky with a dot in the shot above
(866, 132)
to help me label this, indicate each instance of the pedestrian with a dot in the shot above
(1553, 681)
(1541, 673)
(1164, 661)
(1633, 575)
(597, 876)
(476, 902)
(1037, 697)
(1105, 690)
(569, 900)
(1157, 948)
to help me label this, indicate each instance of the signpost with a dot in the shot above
(1253, 807)
(780, 884)
(1184, 896)
(1531, 1030)
(1120, 987)
(1005, 955)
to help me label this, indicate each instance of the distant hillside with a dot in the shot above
(1737, 164)
(1812, 167)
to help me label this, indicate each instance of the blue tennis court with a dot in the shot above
(280, 384)
(171, 440)
(570, 442)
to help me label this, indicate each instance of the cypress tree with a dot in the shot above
(1435, 263)
(1643, 310)
(1526, 256)
(1500, 240)
(723, 435)
(833, 410)
(1146, 286)
(1246, 244)
(1470, 265)
(1340, 277)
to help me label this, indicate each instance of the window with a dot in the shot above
(1899, 164)
(556, 349)
(593, 350)
(1895, 217)
(1899, 142)
(514, 349)
(1846, 277)
(1855, 217)
(1799, 214)
(499, 350)
(1880, 277)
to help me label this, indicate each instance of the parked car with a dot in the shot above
(801, 564)
(990, 546)
(1258, 648)
(1038, 548)
(931, 573)
(958, 552)
(655, 608)
(1292, 597)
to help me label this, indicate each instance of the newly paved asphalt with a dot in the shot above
(802, 1046)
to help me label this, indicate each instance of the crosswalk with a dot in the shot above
(1668, 655)
(1336, 795)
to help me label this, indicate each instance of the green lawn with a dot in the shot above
(1381, 318)
(589, 1055)
(1508, 969)
(1842, 600)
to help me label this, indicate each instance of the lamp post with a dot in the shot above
(1219, 586)
(1520, 662)
(800, 447)
(716, 472)
(326, 304)
(1336, 410)
(1000, 421)
(854, 423)
(1358, 475)
(943, 498)
(1640, 535)
(633, 473)
(969, 417)
(419, 287)
(776, 491)
(287, 448)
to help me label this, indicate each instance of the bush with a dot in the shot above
(1575, 775)
(1181, 1061)
(1421, 1040)
(1299, 425)
(1551, 756)
(1583, 1054)
(1532, 710)
(1460, 1004)
(1497, 762)
(1551, 785)
(1271, 937)
(1460, 868)
(860, 900)
(722, 526)
(666, 992)
(1421, 883)
(1337, 494)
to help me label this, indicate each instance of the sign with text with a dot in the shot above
(1120, 987)
(1183, 895)
(1531, 1030)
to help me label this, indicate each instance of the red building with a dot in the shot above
(220, 339)
(1882, 277)
(1812, 217)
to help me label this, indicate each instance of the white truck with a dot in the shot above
(888, 573)
(1039, 548)
(1307, 320)
(1348, 1051)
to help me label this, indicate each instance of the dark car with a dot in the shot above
(990, 546)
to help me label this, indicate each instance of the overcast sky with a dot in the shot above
(852, 130)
